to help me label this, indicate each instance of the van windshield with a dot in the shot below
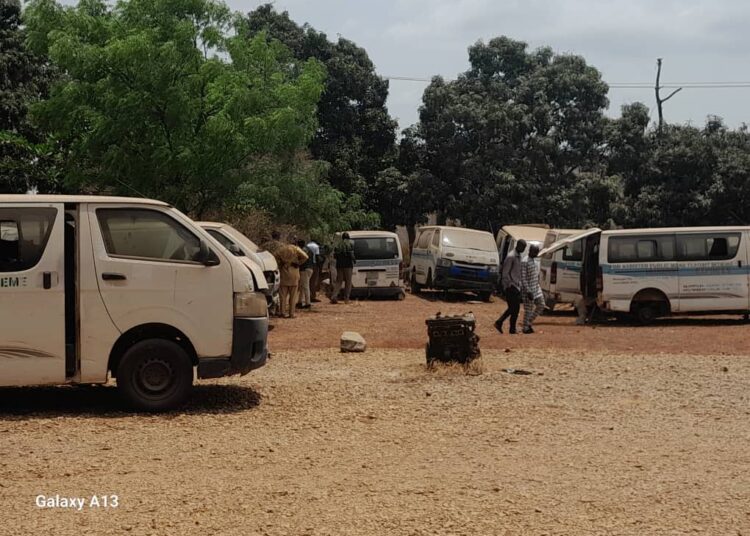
(465, 238)
(375, 248)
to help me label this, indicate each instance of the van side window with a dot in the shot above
(573, 252)
(424, 240)
(146, 234)
(24, 233)
(708, 247)
(436, 239)
(641, 249)
(223, 240)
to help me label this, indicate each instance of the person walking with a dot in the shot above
(345, 260)
(305, 273)
(511, 281)
(289, 258)
(533, 297)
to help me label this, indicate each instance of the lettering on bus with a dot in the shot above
(13, 282)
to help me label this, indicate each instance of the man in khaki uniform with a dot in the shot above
(290, 258)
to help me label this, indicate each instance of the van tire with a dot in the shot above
(155, 375)
(645, 313)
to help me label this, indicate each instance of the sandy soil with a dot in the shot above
(618, 430)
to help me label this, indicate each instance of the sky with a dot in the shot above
(699, 41)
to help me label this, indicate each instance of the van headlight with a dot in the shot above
(492, 269)
(445, 263)
(250, 304)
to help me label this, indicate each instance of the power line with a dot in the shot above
(618, 85)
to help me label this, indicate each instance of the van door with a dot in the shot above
(590, 281)
(147, 274)
(32, 294)
(569, 264)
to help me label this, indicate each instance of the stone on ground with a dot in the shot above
(351, 341)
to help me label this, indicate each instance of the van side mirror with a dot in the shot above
(235, 250)
(205, 256)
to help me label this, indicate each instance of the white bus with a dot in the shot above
(650, 273)
(560, 270)
(98, 286)
(454, 258)
(377, 270)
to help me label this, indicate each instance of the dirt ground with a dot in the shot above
(617, 430)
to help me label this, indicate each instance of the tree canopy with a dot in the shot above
(355, 134)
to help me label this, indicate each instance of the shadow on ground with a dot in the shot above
(104, 401)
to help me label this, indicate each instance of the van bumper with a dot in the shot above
(378, 292)
(249, 350)
(445, 280)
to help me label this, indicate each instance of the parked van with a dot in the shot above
(649, 273)
(454, 258)
(92, 286)
(507, 236)
(377, 271)
(249, 253)
(560, 271)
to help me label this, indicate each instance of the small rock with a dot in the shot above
(725, 369)
(351, 341)
(507, 350)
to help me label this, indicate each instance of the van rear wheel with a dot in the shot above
(646, 313)
(155, 375)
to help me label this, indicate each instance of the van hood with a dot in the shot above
(259, 279)
(471, 256)
(267, 261)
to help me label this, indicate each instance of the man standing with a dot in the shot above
(289, 258)
(344, 255)
(511, 280)
(314, 248)
(533, 297)
(274, 244)
(305, 273)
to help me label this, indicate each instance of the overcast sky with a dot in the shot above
(700, 41)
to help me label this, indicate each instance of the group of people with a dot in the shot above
(301, 267)
(520, 281)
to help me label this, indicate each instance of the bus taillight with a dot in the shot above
(599, 279)
(553, 274)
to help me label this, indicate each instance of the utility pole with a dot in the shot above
(659, 100)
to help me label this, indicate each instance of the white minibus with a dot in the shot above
(98, 286)
(560, 270)
(377, 270)
(249, 253)
(454, 258)
(649, 273)
(508, 235)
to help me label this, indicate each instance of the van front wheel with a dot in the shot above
(155, 375)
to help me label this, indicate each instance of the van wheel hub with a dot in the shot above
(155, 375)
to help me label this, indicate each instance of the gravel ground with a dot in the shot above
(319, 442)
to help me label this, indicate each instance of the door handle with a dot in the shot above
(47, 280)
(109, 276)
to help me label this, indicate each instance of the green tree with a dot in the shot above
(355, 135)
(26, 162)
(513, 133)
(150, 104)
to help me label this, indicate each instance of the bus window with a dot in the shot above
(705, 247)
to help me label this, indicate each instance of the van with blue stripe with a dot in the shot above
(560, 270)
(650, 273)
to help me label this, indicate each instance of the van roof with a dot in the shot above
(536, 231)
(368, 234)
(662, 230)
(31, 198)
(452, 227)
